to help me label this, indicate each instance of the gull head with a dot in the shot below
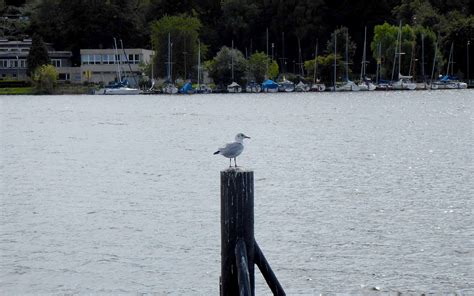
(240, 137)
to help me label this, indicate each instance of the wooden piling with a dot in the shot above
(237, 223)
(267, 272)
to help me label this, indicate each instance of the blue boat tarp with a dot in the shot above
(448, 78)
(187, 88)
(269, 84)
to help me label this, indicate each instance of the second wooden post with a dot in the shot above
(237, 225)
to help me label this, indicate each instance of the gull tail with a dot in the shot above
(217, 152)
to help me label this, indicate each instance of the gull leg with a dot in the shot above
(235, 161)
(230, 162)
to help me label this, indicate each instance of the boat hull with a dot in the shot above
(318, 87)
(121, 91)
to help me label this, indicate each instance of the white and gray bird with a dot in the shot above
(232, 150)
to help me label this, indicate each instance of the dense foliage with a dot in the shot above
(71, 25)
(45, 78)
(227, 64)
(261, 67)
(38, 55)
(181, 48)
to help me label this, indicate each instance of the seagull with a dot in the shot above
(232, 150)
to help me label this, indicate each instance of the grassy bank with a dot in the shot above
(63, 89)
(17, 91)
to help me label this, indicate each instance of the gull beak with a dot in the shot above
(246, 137)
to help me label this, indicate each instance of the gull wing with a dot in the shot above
(232, 149)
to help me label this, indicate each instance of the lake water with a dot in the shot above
(354, 192)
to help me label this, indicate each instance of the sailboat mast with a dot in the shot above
(315, 62)
(434, 60)
(283, 53)
(300, 58)
(169, 57)
(364, 65)
(423, 56)
(199, 64)
(362, 71)
(232, 60)
(171, 61)
(450, 59)
(266, 64)
(347, 55)
(400, 52)
(397, 54)
(379, 63)
(335, 59)
(117, 57)
(152, 66)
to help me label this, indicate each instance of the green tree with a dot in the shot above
(326, 68)
(38, 54)
(73, 25)
(15, 25)
(257, 67)
(157, 9)
(220, 69)
(45, 78)
(457, 29)
(418, 12)
(184, 35)
(386, 35)
(238, 18)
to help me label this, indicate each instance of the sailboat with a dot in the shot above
(301, 86)
(201, 88)
(404, 82)
(348, 85)
(285, 85)
(234, 87)
(449, 81)
(252, 86)
(121, 86)
(365, 83)
(169, 87)
(317, 86)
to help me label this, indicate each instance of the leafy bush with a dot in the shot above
(45, 78)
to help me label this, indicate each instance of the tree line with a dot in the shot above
(72, 25)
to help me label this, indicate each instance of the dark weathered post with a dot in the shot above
(267, 272)
(237, 225)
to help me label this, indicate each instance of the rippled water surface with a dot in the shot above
(120, 195)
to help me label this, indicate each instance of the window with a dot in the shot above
(23, 64)
(85, 59)
(133, 58)
(108, 59)
(56, 63)
(3, 63)
(13, 64)
(64, 76)
(97, 59)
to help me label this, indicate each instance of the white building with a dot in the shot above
(13, 56)
(104, 66)
(97, 65)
